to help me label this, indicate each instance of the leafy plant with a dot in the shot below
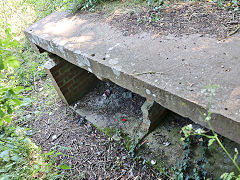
(20, 158)
(51, 157)
(186, 168)
(7, 54)
(188, 131)
(9, 98)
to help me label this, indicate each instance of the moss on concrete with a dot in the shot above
(107, 130)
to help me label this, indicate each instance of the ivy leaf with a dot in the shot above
(17, 102)
(50, 153)
(9, 109)
(64, 166)
(1, 113)
(18, 89)
(5, 155)
(12, 61)
(16, 158)
(1, 65)
(7, 118)
(15, 43)
(1, 122)
(9, 94)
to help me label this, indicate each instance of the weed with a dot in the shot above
(186, 168)
(188, 131)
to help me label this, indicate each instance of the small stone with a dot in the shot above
(28, 116)
(153, 162)
(82, 120)
(107, 92)
(148, 91)
(115, 137)
(75, 105)
(104, 96)
(137, 178)
(54, 137)
(166, 143)
(98, 153)
(131, 175)
(90, 127)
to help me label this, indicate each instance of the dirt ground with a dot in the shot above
(206, 19)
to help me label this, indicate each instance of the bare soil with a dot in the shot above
(179, 19)
(108, 99)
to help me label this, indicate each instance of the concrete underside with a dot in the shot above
(181, 66)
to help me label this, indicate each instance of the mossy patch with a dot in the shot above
(107, 130)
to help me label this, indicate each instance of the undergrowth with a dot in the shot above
(20, 68)
(186, 167)
(31, 69)
(20, 158)
(212, 137)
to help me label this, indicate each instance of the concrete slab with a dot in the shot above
(175, 69)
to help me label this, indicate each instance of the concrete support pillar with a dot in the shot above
(153, 114)
(70, 81)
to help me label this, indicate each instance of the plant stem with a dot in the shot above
(234, 162)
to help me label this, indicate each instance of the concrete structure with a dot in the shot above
(171, 71)
(153, 113)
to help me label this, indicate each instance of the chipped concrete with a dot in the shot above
(182, 66)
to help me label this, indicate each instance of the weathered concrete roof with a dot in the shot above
(184, 65)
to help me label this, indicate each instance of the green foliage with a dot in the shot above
(9, 101)
(186, 168)
(51, 157)
(9, 98)
(188, 131)
(229, 176)
(31, 68)
(19, 157)
(8, 45)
